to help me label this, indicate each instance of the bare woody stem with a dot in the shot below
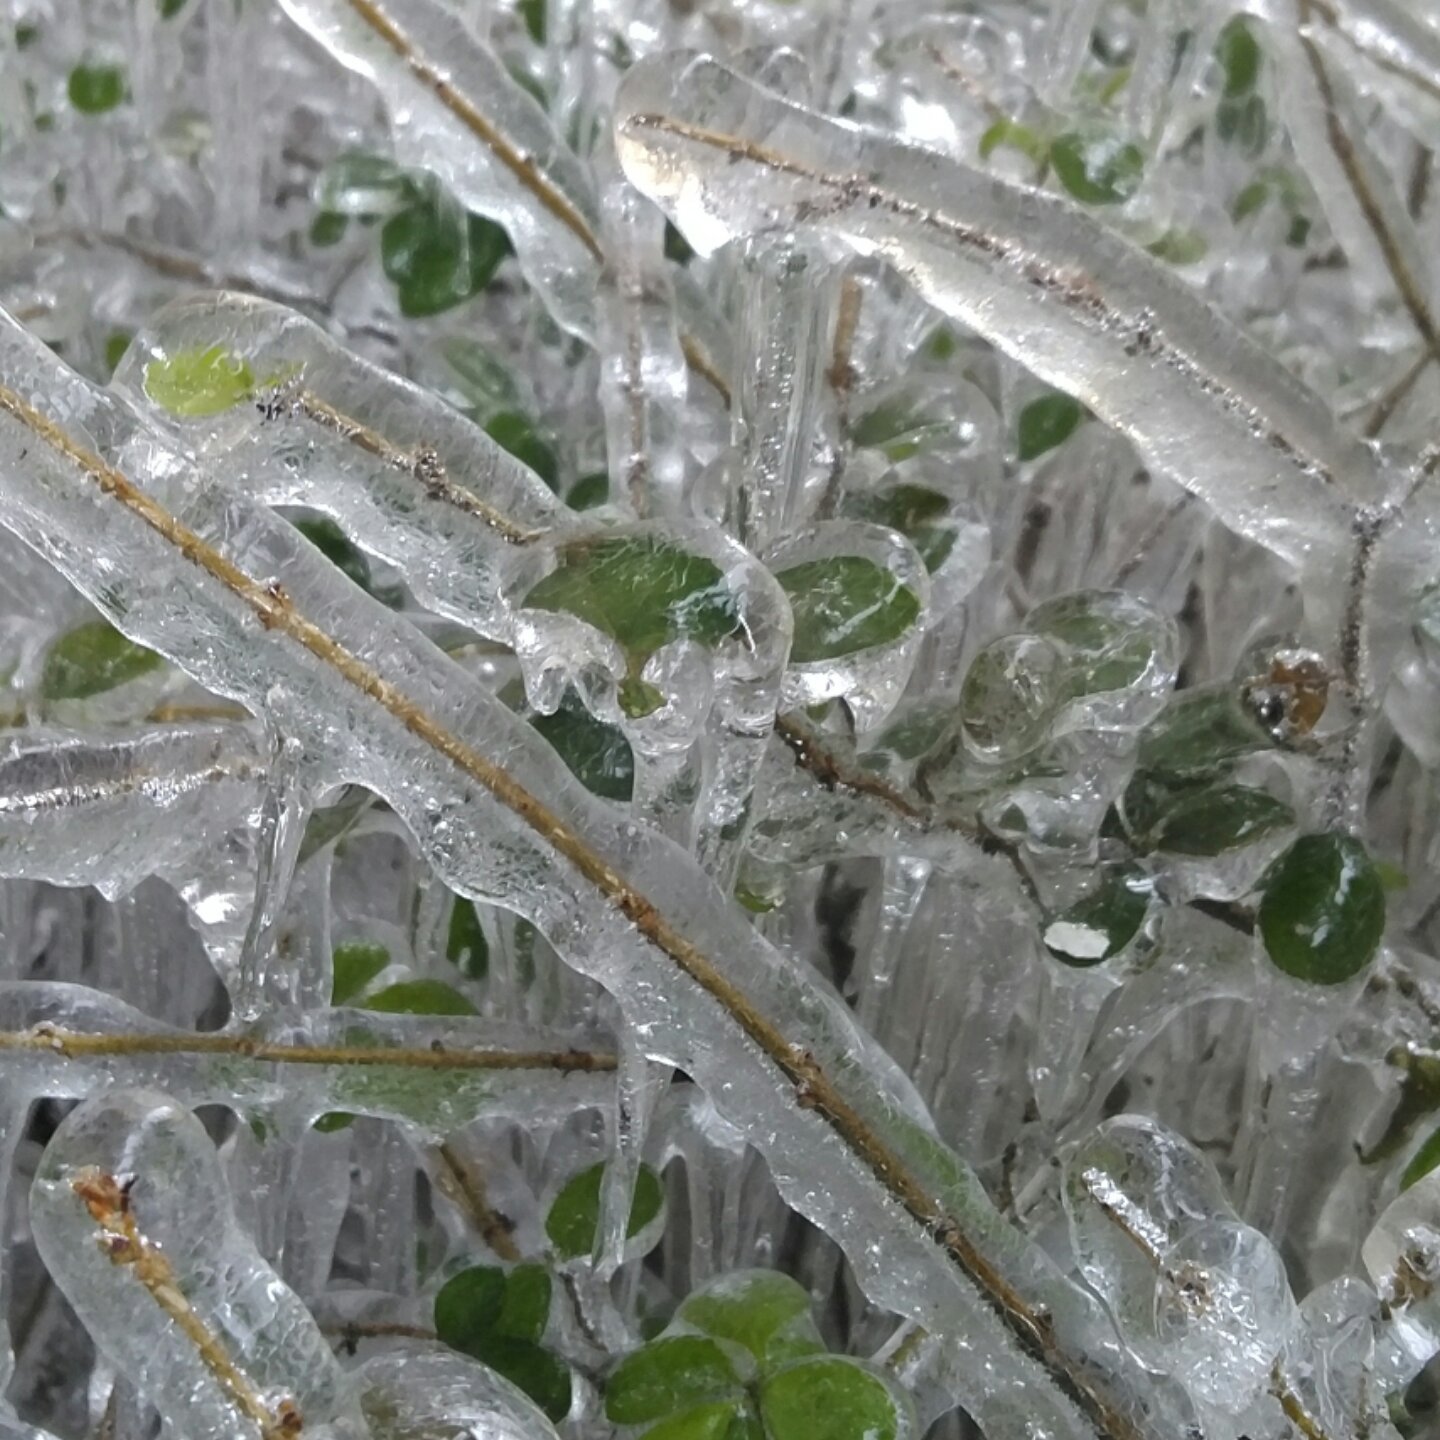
(77, 1045)
(108, 1202)
(813, 1088)
(465, 1185)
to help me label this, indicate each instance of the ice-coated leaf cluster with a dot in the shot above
(718, 720)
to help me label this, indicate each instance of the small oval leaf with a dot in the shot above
(669, 1376)
(829, 1399)
(1322, 912)
(195, 383)
(1098, 168)
(1047, 422)
(575, 1213)
(91, 659)
(843, 605)
(420, 997)
(353, 966)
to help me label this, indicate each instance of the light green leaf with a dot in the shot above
(1322, 911)
(573, 1217)
(420, 997)
(1424, 1160)
(845, 604)
(763, 1310)
(94, 89)
(669, 1376)
(91, 659)
(829, 1399)
(195, 383)
(727, 1420)
(353, 966)
(1011, 135)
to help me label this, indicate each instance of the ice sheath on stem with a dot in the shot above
(225, 590)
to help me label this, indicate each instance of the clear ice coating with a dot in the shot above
(648, 643)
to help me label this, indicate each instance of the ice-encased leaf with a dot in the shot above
(1042, 281)
(92, 659)
(458, 112)
(764, 1310)
(831, 1398)
(844, 604)
(670, 1376)
(132, 1217)
(574, 1213)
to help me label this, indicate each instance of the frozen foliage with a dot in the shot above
(718, 721)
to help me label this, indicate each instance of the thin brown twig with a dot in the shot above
(814, 1090)
(420, 462)
(108, 1201)
(78, 1045)
(705, 367)
(1395, 397)
(841, 372)
(467, 1187)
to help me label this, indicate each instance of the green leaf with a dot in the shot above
(589, 491)
(901, 426)
(485, 1301)
(94, 89)
(353, 966)
(169, 9)
(542, 1376)
(532, 12)
(332, 1121)
(1238, 52)
(116, 344)
(1424, 1160)
(26, 35)
(466, 947)
(364, 186)
(829, 1399)
(194, 383)
(437, 255)
(642, 591)
(1244, 124)
(514, 432)
(1101, 924)
(1201, 731)
(727, 1420)
(91, 659)
(1098, 167)
(669, 1376)
(332, 542)
(1180, 247)
(420, 997)
(1211, 819)
(1322, 910)
(844, 604)
(677, 247)
(596, 754)
(1047, 422)
(1011, 135)
(763, 1310)
(575, 1213)
(328, 228)
(913, 510)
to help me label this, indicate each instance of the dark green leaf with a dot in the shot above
(575, 1214)
(465, 944)
(1238, 52)
(1322, 910)
(1201, 731)
(1243, 123)
(485, 1301)
(763, 1310)
(1047, 422)
(328, 228)
(1101, 924)
(642, 591)
(514, 432)
(333, 1120)
(354, 966)
(542, 1376)
(116, 344)
(677, 247)
(1419, 1097)
(1424, 1160)
(532, 12)
(589, 491)
(914, 511)
(669, 1376)
(1097, 167)
(437, 255)
(26, 35)
(597, 754)
(420, 997)
(332, 542)
(845, 604)
(829, 1399)
(169, 9)
(1210, 819)
(900, 426)
(91, 659)
(94, 89)
(194, 383)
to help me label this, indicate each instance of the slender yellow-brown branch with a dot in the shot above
(467, 1187)
(108, 1202)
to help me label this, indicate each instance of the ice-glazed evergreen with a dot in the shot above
(719, 720)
